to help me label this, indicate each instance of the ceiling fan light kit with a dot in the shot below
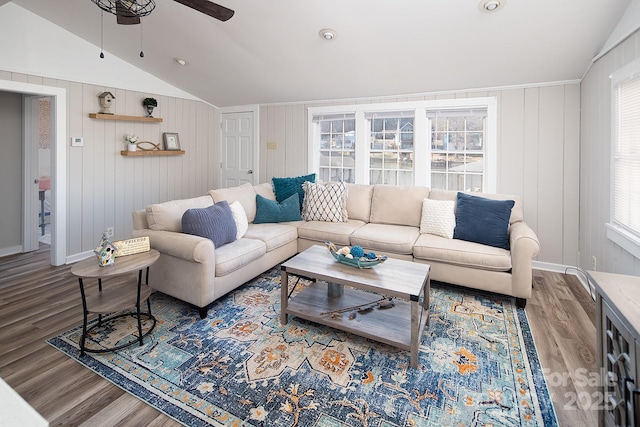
(133, 8)
(129, 12)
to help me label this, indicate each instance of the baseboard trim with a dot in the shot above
(11, 250)
(567, 269)
(79, 257)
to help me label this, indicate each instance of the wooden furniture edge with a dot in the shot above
(125, 118)
(142, 153)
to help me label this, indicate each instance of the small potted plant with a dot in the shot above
(131, 142)
(149, 104)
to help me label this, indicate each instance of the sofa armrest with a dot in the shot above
(179, 245)
(523, 239)
(524, 247)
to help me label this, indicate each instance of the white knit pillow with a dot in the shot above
(324, 202)
(438, 217)
(240, 218)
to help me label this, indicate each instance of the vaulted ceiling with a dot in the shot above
(270, 51)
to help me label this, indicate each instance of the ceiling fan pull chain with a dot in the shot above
(101, 33)
(141, 52)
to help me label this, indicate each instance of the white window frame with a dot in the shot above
(617, 233)
(422, 135)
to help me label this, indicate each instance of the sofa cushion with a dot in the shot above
(273, 235)
(438, 217)
(238, 254)
(213, 222)
(240, 218)
(336, 232)
(359, 201)
(324, 202)
(285, 187)
(398, 239)
(483, 220)
(391, 204)
(273, 211)
(244, 193)
(265, 190)
(168, 216)
(517, 212)
(459, 252)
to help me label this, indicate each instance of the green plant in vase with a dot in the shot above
(149, 104)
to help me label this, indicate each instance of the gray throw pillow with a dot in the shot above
(214, 222)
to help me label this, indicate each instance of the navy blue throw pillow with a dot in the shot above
(272, 211)
(483, 220)
(285, 187)
(214, 222)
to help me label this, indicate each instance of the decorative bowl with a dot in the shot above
(361, 262)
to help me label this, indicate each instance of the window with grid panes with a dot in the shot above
(391, 149)
(337, 148)
(443, 144)
(457, 149)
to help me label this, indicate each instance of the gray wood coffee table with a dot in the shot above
(400, 326)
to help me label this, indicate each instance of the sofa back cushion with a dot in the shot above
(359, 201)
(244, 193)
(167, 216)
(397, 205)
(517, 212)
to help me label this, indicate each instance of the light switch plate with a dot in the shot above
(77, 141)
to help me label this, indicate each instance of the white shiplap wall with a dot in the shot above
(596, 157)
(538, 154)
(104, 187)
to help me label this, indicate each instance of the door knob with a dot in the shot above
(250, 171)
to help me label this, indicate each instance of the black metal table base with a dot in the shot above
(139, 339)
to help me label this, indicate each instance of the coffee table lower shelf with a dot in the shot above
(391, 326)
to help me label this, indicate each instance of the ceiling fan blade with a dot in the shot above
(124, 15)
(208, 8)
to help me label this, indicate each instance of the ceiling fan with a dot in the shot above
(129, 12)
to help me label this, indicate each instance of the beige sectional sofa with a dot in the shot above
(384, 219)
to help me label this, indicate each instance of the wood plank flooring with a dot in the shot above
(38, 301)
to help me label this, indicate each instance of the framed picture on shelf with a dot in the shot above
(171, 141)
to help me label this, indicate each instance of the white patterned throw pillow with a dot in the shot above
(438, 217)
(240, 218)
(324, 202)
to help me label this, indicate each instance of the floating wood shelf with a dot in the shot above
(152, 153)
(125, 118)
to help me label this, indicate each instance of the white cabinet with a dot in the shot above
(618, 347)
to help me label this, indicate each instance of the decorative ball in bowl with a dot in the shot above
(355, 256)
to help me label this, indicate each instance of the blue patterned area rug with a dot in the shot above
(478, 365)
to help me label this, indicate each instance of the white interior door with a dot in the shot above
(238, 149)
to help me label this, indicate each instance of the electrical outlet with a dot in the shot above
(110, 232)
(594, 263)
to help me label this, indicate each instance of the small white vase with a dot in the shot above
(132, 147)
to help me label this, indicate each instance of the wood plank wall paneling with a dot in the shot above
(538, 152)
(595, 151)
(104, 187)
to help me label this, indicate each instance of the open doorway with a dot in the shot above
(56, 199)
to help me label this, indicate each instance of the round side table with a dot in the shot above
(117, 298)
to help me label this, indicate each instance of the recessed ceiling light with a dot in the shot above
(180, 61)
(328, 34)
(491, 5)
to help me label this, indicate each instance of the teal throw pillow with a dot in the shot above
(483, 220)
(273, 211)
(285, 187)
(214, 222)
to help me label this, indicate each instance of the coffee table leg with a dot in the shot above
(284, 296)
(415, 331)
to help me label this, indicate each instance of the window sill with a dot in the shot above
(624, 239)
